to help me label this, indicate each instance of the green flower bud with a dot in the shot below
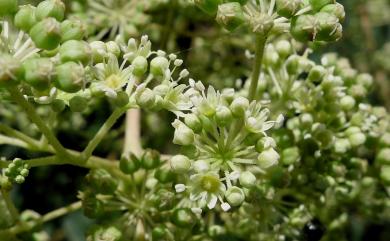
(75, 51)
(235, 196)
(72, 29)
(384, 141)
(180, 163)
(208, 6)
(247, 179)
(17, 171)
(336, 9)
(318, 4)
(50, 8)
(342, 146)
(357, 91)
(329, 28)
(146, 98)
(183, 135)
(39, 73)
(8, 7)
(99, 51)
(158, 65)
(46, 34)
(121, 99)
(11, 71)
(193, 122)
(265, 143)
(290, 156)
(357, 139)
(262, 24)
(306, 120)
(347, 102)
(159, 233)
(113, 48)
(383, 157)
(303, 27)
(268, 158)
(164, 175)
(57, 105)
(140, 66)
(292, 64)
(365, 80)
(288, 8)
(385, 174)
(183, 218)
(205, 108)
(223, 116)
(316, 74)
(25, 18)
(102, 181)
(78, 104)
(239, 106)
(129, 163)
(230, 15)
(70, 77)
(271, 57)
(150, 159)
(284, 48)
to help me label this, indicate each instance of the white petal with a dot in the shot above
(196, 210)
(212, 202)
(180, 188)
(225, 206)
(234, 175)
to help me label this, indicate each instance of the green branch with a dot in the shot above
(260, 44)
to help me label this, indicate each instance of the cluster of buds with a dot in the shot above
(227, 134)
(314, 20)
(16, 172)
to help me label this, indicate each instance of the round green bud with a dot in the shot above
(140, 66)
(72, 29)
(183, 135)
(268, 158)
(318, 4)
(92, 207)
(265, 143)
(11, 70)
(365, 80)
(70, 77)
(150, 159)
(39, 72)
(223, 116)
(239, 106)
(357, 91)
(8, 7)
(303, 27)
(113, 48)
(329, 28)
(292, 64)
(290, 156)
(164, 175)
(208, 6)
(46, 34)
(357, 139)
(316, 74)
(57, 105)
(385, 174)
(159, 233)
(50, 8)
(180, 163)
(288, 8)
(129, 163)
(102, 181)
(336, 9)
(235, 196)
(121, 99)
(341, 146)
(347, 102)
(247, 179)
(230, 15)
(384, 141)
(193, 122)
(75, 51)
(159, 65)
(78, 104)
(146, 98)
(183, 217)
(271, 57)
(383, 156)
(99, 51)
(25, 18)
(284, 48)
(306, 120)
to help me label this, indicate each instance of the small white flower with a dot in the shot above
(180, 188)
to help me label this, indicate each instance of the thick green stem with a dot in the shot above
(102, 132)
(17, 134)
(18, 97)
(260, 44)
